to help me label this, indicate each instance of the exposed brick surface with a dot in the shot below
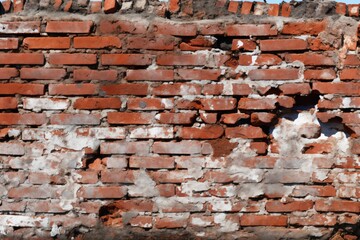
(186, 119)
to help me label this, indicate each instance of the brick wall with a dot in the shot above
(169, 122)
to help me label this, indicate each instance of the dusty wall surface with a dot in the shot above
(181, 119)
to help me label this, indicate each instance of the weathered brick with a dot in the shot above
(177, 89)
(205, 132)
(174, 28)
(181, 59)
(8, 103)
(148, 104)
(22, 119)
(22, 58)
(245, 132)
(283, 45)
(73, 89)
(42, 73)
(9, 43)
(21, 27)
(72, 59)
(152, 162)
(75, 119)
(263, 220)
(164, 43)
(183, 147)
(130, 118)
(250, 30)
(274, 74)
(303, 28)
(176, 118)
(84, 74)
(103, 192)
(125, 147)
(97, 42)
(126, 59)
(149, 75)
(46, 42)
(68, 26)
(97, 103)
(311, 59)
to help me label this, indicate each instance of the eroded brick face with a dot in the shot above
(130, 126)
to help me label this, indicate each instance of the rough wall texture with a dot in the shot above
(140, 126)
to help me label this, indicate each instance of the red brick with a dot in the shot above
(262, 118)
(68, 26)
(22, 119)
(233, 118)
(42, 73)
(8, 103)
(103, 192)
(84, 74)
(21, 27)
(9, 43)
(212, 89)
(87, 177)
(72, 59)
(12, 148)
(125, 89)
(22, 58)
(341, 8)
(218, 104)
(150, 104)
(285, 9)
(174, 6)
(283, 44)
(181, 59)
(316, 191)
(149, 75)
(250, 132)
(352, 60)
(126, 59)
(176, 118)
(314, 220)
(257, 104)
(121, 26)
(117, 176)
(129, 118)
(238, 44)
(274, 74)
(45, 206)
(7, 73)
(170, 222)
(151, 162)
(73, 89)
(338, 88)
(337, 206)
(46, 43)
(174, 28)
(304, 28)
(204, 132)
(125, 147)
(97, 42)
(208, 117)
(110, 6)
(183, 147)
(295, 88)
(259, 147)
(152, 133)
(250, 30)
(292, 206)
(320, 74)
(273, 9)
(321, 147)
(263, 220)
(353, 10)
(164, 43)
(246, 8)
(197, 74)
(75, 119)
(311, 59)
(350, 74)
(21, 88)
(262, 59)
(211, 28)
(97, 103)
(40, 192)
(141, 221)
(177, 89)
(233, 6)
